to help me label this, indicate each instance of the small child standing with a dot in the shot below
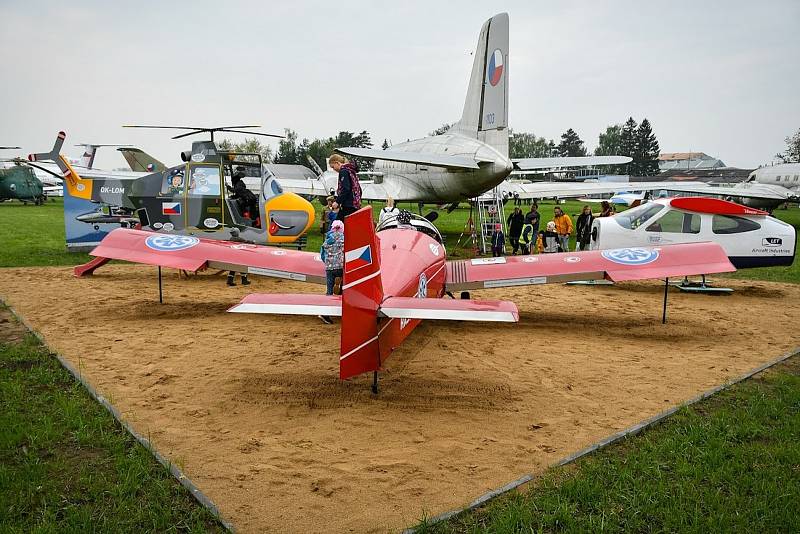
(498, 241)
(549, 238)
(332, 254)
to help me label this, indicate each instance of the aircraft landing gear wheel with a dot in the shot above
(465, 295)
(96, 227)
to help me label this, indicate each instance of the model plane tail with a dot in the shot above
(485, 114)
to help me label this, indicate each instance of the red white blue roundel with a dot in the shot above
(631, 256)
(494, 71)
(170, 243)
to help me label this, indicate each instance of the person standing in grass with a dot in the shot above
(532, 218)
(515, 222)
(498, 241)
(564, 228)
(584, 229)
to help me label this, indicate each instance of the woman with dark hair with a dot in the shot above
(606, 209)
(584, 228)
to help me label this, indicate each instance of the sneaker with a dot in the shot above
(337, 285)
(245, 282)
(325, 319)
(231, 282)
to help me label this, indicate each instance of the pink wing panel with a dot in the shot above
(635, 263)
(192, 253)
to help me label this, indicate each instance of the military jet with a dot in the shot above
(192, 198)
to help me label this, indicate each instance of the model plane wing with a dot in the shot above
(417, 158)
(290, 304)
(193, 253)
(531, 164)
(444, 309)
(617, 265)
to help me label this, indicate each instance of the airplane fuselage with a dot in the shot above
(406, 181)
(412, 265)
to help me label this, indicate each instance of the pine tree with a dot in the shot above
(385, 144)
(792, 152)
(571, 145)
(647, 150)
(287, 148)
(627, 145)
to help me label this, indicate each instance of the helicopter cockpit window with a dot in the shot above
(173, 183)
(204, 180)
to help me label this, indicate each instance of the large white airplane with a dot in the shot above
(467, 160)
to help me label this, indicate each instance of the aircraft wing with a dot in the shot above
(617, 265)
(417, 158)
(747, 190)
(192, 254)
(579, 189)
(530, 164)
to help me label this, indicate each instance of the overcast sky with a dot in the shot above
(718, 77)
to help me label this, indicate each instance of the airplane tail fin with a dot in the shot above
(485, 114)
(140, 161)
(362, 294)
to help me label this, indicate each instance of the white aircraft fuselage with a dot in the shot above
(409, 181)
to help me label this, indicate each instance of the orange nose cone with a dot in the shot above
(289, 216)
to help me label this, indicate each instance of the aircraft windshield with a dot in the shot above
(635, 217)
(418, 223)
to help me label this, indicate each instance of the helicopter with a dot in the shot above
(19, 182)
(193, 198)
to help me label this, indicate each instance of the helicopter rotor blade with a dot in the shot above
(254, 133)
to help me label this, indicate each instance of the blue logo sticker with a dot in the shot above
(631, 256)
(170, 243)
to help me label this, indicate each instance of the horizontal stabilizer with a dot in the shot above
(290, 304)
(529, 164)
(454, 310)
(416, 158)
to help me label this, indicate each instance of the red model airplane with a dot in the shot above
(390, 272)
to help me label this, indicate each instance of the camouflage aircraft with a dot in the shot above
(192, 198)
(20, 183)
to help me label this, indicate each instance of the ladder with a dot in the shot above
(490, 213)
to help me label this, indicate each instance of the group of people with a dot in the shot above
(525, 237)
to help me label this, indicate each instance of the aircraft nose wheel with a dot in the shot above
(465, 295)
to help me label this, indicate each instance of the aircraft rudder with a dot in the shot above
(485, 113)
(362, 294)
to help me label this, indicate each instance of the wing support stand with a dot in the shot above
(375, 382)
(160, 290)
(666, 290)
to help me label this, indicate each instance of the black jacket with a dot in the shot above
(584, 228)
(515, 222)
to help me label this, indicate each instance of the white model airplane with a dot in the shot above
(750, 237)
(467, 160)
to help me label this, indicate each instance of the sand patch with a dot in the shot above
(250, 406)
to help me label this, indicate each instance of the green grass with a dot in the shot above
(67, 466)
(34, 235)
(728, 464)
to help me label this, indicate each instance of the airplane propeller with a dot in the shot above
(9, 148)
(196, 130)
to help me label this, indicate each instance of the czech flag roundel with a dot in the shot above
(495, 70)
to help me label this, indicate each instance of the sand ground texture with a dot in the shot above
(251, 407)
